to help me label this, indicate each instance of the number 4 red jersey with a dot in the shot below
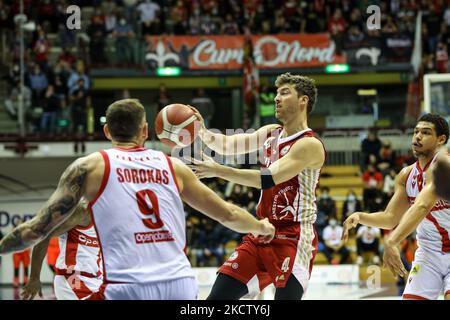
(293, 201)
(139, 218)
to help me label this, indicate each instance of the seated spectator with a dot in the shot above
(351, 205)
(333, 243)
(230, 26)
(389, 184)
(52, 104)
(389, 27)
(79, 103)
(204, 105)
(386, 158)
(368, 240)
(73, 83)
(67, 57)
(97, 34)
(124, 42)
(12, 102)
(373, 183)
(163, 97)
(41, 49)
(441, 58)
(326, 208)
(370, 146)
(336, 28)
(149, 17)
(38, 85)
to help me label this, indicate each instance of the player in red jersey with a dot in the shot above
(293, 159)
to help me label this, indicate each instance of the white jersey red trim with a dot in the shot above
(79, 252)
(139, 217)
(433, 231)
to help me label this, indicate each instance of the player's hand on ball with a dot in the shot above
(32, 288)
(267, 232)
(200, 123)
(392, 260)
(350, 223)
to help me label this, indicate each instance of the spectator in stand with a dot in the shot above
(433, 23)
(51, 106)
(97, 34)
(387, 158)
(368, 240)
(80, 73)
(351, 204)
(230, 26)
(389, 185)
(326, 208)
(124, 42)
(354, 37)
(12, 102)
(389, 26)
(447, 15)
(370, 146)
(441, 58)
(204, 105)
(333, 243)
(163, 97)
(178, 18)
(47, 13)
(80, 101)
(312, 23)
(149, 17)
(336, 28)
(38, 85)
(194, 21)
(207, 25)
(67, 57)
(373, 183)
(41, 48)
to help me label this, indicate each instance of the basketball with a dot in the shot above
(175, 125)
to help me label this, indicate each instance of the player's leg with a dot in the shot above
(238, 276)
(292, 291)
(26, 266)
(16, 265)
(227, 288)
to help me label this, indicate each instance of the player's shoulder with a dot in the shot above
(404, 173)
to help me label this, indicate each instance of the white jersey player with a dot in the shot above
(78, 270)
(416, 205)
(135, 197)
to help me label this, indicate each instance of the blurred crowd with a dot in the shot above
(210, 243)
(116, 33)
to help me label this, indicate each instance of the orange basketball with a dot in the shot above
(175, 125)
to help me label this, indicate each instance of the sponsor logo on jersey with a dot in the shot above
(233, 256)
(152, 237)
(87, 241)
(235, 265)
(415, 270)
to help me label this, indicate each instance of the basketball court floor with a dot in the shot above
(314, 292)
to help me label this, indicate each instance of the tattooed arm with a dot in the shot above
(57, 209)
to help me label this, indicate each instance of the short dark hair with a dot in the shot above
(124, 119)
(303, 85)
(440, 124)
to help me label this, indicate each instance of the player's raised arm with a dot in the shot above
(305, 153)
(33, 286)
(203, 199)
(57, 209)
(239, 143)
(388, 218)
